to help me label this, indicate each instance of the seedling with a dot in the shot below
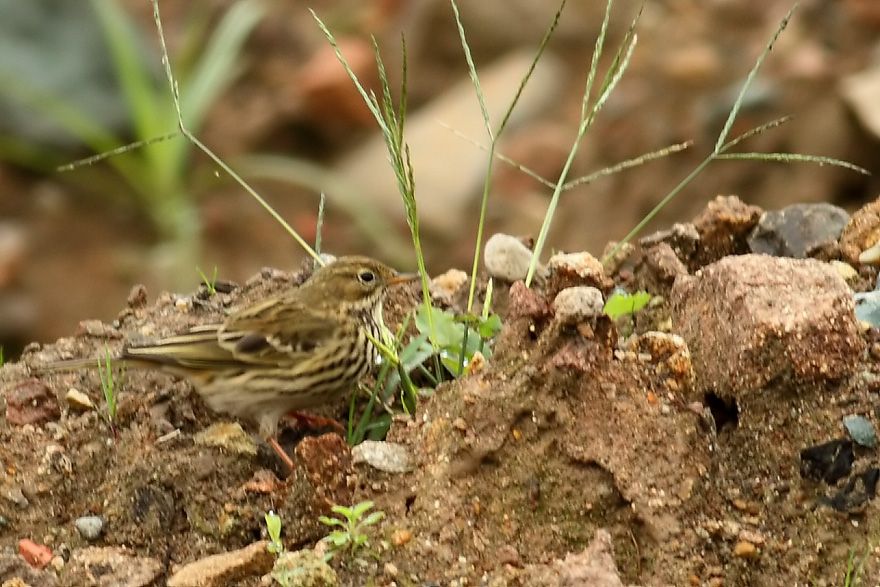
(108, 386)
(210, 284)
(854, 569)
(2, 358)
(625, 304)
(351, 535)
(273, 528)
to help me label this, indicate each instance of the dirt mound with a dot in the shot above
(665, 449)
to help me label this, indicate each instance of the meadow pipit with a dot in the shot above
(305, 347)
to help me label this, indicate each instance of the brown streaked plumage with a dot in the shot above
(300, 349)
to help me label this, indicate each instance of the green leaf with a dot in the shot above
(330, 521)
(273, 525)
(623, 304)
(373, 518)
(490, 327)
(359, 510)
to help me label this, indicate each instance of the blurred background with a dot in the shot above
(261, 86)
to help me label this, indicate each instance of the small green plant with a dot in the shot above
(621, 303)
(2, 358)
(273, 528)
(392, 380)
(210, 284)
(351, 535)
(109, 387)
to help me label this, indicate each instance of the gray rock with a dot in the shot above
(507, 258)
(868, 307)
(797, 230)
(89, 527)
(578, 303)
(860, 430)
(385, 456)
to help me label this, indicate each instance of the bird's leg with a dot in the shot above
(315, 422)
(273, 442)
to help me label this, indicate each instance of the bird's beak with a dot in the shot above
(403, 278)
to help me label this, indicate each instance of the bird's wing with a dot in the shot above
(197, 349)
(280, 331)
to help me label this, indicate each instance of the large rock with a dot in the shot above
(752, 320)
(225, 568)
(112, 567)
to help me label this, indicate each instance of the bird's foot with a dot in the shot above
(309, 421)
(279, 450)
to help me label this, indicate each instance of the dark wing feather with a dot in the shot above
(280, 331)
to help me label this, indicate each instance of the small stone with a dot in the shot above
(15, 496)
(227, 568)
(507, 258)
(797, 230)
(745, 549)
(723, 227)
(860, 430)
(57, 563)
(30, 402)
(578, 303)
(573, 269)
(391, 569)
(115, 565)
(459, 424)
(868, 307)
(861, 233)
(306, 568)
(89, 527)
(98, 329)
(401, 536)
(385, 456)
(37, 555)
(444, 287)
(845, 270)
(229, 436)
(77, 401)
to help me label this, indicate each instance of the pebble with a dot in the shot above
(578, 303)
(90, 527)
(78, 401)
(745, 549)
(390, 457)
(507, 258)
(401, 536)
(37, 555)
(860, 430)
(445, 286)
(305, 568)
(16, 496)
(229, 436)
(391, 569)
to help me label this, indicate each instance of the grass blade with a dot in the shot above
(731, 117)
(793, 158)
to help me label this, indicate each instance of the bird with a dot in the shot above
(300, 349)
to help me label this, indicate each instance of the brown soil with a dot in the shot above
(567, 430)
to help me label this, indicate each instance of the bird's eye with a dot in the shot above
(366, 276)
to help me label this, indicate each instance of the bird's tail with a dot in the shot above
(76, 364)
